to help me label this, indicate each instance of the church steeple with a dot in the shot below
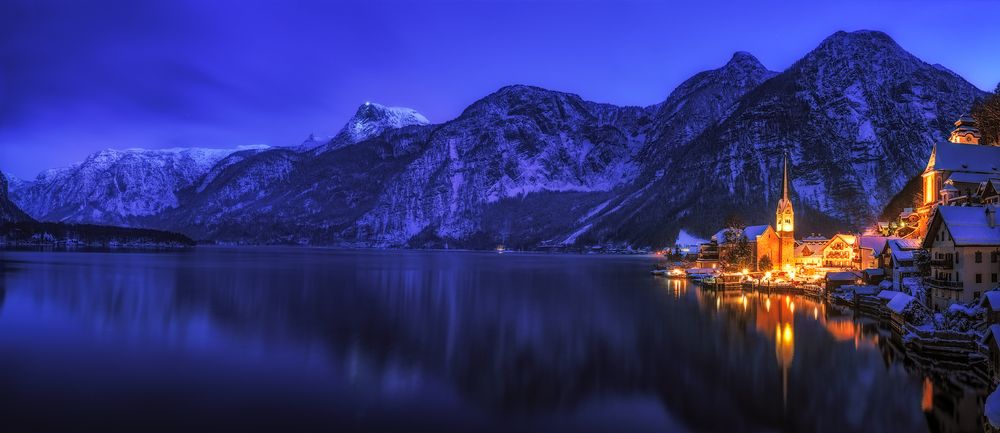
(785, 215)
(785, 224)
(784, 196)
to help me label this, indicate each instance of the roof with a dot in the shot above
(874, 272)
(753, 231)
(803, 250)
(991, 333)
(902, 249)
(842, 276)
(964, 177)
(993, 296)
(899, 303)
(875, 243)
(750, 232)
(965, 157)
(967, 225)
(887, 295)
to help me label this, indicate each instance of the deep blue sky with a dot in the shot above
(79, 76)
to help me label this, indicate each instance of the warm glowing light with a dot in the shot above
(791, 306)
(767, 275)
(815, 313)
(787, 334)
(718, 303)
(927, 402)
(767, 304)
(746, 271)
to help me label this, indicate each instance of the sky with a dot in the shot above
(82, 76)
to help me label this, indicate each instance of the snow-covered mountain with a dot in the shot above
(526, 165)
(371, 120)
(858, 116)
(115, 186)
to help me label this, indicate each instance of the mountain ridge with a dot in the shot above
(526, 166)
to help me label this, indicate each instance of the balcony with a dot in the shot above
(942, 284)
(945, 263)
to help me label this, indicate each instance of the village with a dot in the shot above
(931, 274)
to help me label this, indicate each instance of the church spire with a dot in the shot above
(785, 194)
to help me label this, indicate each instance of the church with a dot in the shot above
(776, 243)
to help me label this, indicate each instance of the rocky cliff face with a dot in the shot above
(526, 166)
(9, 212)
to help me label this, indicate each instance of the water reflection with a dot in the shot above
(436, 341)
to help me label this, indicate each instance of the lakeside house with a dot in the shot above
(896, 261)
(964, 245)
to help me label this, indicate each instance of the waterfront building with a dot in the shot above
(809, 252)
(839, 251)
(896, 260)
(964, 246)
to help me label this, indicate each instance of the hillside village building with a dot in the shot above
(957, 171)
(964, 246)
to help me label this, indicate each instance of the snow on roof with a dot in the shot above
(874, 272)
(963, 177)
(968, 225)
(902, 249)
(863, 290)
(887, 295)
(842, 276)
(992, 332)
(993, 296)
(899, 303)
(874, 242)
(752, 232)
(966, 157)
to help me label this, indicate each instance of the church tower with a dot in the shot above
(785, 225)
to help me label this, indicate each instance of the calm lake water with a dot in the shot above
(331, 340)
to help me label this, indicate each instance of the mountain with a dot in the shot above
(526, 166)
(858, 117)
(9, 212)
(115, 186)
(371, 120)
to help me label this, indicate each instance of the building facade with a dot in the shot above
(964, 247)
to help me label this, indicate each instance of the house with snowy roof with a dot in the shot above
(838, 252)
(964, 244)
(956, 169)
(896, 260)
(991, 304)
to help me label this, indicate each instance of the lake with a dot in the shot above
(296, 339)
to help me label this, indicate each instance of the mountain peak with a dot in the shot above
(743, 58)
(861, 39)
(373, 119)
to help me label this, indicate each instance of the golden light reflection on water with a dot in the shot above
(765, 314)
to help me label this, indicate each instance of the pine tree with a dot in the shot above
(987, 115)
